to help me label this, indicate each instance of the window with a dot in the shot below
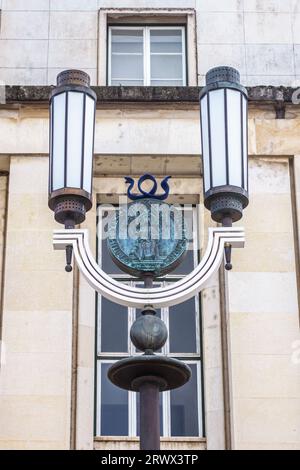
(149, 55)
(117, 411)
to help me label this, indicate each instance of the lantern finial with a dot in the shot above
(73, 77)
(222, 74)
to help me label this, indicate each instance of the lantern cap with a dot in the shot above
(222, 74)
(73, 77)
(222, 77)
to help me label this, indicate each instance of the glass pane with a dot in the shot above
(58, 144)
(234, 133)
(114, 407)
(218, 140)
(107, 263)
(74, 138)
(127, 66)
(166, 66)
(182, 327)
(184, 408)
(188, 262)
(138, 414)
(127, 40)
(205, 143)
(168, 40)
(104, 258)
(127, 82)
(88, 143)
(167, 82)
(245, 142)
(114, 327)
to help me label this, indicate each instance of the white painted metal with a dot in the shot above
(164, 296)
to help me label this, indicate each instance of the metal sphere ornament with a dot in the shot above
(148, 333)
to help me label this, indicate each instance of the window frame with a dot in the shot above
(147, 53)
(189, 358)
(166, 404)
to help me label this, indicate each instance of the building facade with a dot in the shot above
(147, 60)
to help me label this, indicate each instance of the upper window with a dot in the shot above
(148, 55)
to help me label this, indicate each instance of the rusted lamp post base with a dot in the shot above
(149, 374)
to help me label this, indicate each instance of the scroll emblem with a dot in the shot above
(148, 194)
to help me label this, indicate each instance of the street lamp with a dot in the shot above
(224, 118)
(224, 141)
(72, 124)
(223, 103)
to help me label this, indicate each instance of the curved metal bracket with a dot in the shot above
(158, 297)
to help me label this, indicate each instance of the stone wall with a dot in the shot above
(264, 315)
(35, 380)
(262, 291)
(39, 38)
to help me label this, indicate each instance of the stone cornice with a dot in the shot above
(258, 94)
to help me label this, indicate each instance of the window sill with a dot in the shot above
(132, 443)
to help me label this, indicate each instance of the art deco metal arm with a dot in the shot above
(172, 294)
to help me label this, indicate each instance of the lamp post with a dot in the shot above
(224, 118)
(223, 105)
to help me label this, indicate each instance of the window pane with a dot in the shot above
(127, 82)
(138, 414)
(127, 40)
(166, 66)
(184, 407)
(127, 66)
(187, 264)
(114, 407)
(166, 40)
(182, 327)
(114, 327)
(106, 261)
(167, 82)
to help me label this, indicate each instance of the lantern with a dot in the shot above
(72, 124)
(223, 105)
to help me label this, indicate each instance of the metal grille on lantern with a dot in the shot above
(224, 109)
(72, 121)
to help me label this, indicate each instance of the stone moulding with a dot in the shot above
(110, 94)
(172, 294)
